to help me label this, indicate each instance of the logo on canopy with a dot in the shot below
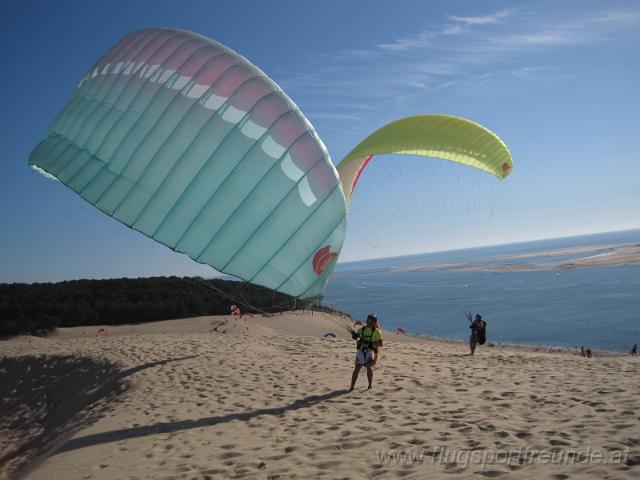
(322, 259)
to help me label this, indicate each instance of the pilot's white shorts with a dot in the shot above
(362, 358)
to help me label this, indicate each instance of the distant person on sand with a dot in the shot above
(634, 350)
(582, 352)
(478, 332)
(369, 340)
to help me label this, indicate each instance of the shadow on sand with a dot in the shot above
(47, 399)
(169, 427)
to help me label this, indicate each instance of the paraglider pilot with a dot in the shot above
(478, 335)
(369, 340)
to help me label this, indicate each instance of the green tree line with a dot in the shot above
(41, 307)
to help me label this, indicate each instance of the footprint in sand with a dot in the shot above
(621, 426)
(492, 473)
(453, 468)
(633, 461)
(229, 446)
(378, 473)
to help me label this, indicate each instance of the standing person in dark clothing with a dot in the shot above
(478, 332)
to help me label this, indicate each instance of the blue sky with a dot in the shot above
(557, 81)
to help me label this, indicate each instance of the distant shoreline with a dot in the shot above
(174, 325)
(617, 255)
(529, 347)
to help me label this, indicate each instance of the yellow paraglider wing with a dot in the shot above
(441, 136)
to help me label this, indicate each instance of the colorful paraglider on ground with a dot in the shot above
(187, 142)
(400, 331)
(102, 331)
(358, 323)
(329, 335)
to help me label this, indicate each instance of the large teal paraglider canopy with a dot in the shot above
(184, 140)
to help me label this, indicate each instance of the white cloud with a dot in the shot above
(616, 18)
(530, 71)
(421, 40)
(490, 19)
(463, 53)
(333, 116)
(458, 27)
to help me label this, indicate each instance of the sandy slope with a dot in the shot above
(266, 398)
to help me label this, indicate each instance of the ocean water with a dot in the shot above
(595, 307)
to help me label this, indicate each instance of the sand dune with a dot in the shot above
(266, 398)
